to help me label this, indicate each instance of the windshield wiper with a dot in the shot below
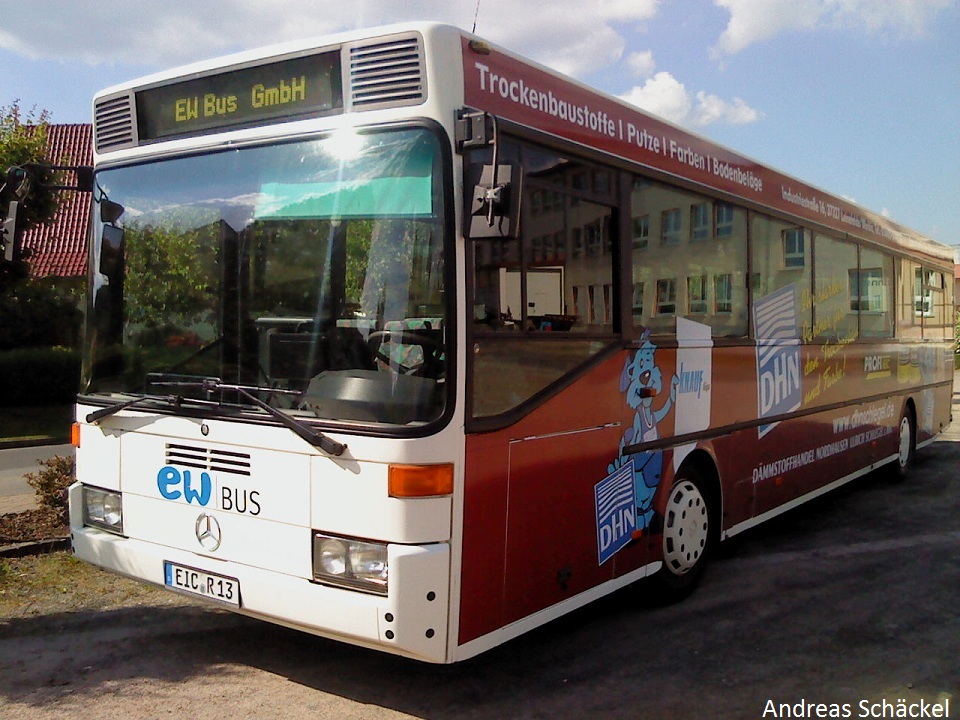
(174, 400)
(210, 385)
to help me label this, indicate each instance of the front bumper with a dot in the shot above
(412, 620)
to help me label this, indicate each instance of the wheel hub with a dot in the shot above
(904, 454)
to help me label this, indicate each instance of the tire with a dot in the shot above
(690, 532)
(906, 445)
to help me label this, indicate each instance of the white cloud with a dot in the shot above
(641, 64)
(662, 95)
(667, 97)
(710, 109)
(562, 34)
(753, 21)
(162, 33)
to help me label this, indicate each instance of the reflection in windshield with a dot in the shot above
(315, 277)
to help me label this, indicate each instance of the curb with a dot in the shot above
(37, 547)
(34, 442)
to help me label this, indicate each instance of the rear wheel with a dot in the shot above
(907, 444)
(688, 537)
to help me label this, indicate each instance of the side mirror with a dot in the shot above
(493, 213)
(111, 251)
(110, 211)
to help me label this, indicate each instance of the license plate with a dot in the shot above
(200, 582)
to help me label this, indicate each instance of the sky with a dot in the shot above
(860, 98)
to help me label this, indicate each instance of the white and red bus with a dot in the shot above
(397, 338)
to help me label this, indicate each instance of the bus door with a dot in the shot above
(544, 306)
(559, 295)
(552, 539)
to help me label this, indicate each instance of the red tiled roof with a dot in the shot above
(60, 249)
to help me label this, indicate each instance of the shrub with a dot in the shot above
(40, 313)
(39, 376)
(51, 483)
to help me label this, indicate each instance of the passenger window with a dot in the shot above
(726, 219)
(509, 369)
(566, 293)
(949, 331)
(835, 282)
(909, 319)
(935, 312)
(872, 294)
(558, 275)
(696, 268)
(546, 301)
(925, 302)
(781, 279)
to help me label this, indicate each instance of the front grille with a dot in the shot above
(387, 73)
(221, 461)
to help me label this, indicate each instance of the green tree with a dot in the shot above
(23, 140)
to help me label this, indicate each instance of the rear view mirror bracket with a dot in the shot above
(493, 210)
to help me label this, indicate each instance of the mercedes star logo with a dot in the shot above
(208, 532)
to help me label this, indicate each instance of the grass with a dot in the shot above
(35, 423)
(59, 583)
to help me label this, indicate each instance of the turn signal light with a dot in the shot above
(420, 480)
(75, 435)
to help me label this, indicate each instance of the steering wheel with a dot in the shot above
(427, 362)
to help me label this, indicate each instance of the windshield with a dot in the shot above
(311, 272)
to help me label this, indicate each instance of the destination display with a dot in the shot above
(267, 93)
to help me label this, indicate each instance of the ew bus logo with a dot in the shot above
(616, 511)
(779, 389)
(173, 485)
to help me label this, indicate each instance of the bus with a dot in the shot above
(397, 338)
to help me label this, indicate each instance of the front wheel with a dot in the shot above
(688, 538)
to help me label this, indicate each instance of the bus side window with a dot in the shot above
(874, 296)
(936, 322)
(568, 259)
(835, 314)
(543, 303)
(949, 309)
(689, 259)
(910, 300)
(780, 258)
(494, 258)
(925, 302)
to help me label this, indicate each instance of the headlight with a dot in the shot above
(103, 509)
(353, 564)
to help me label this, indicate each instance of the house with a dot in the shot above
(59, 250)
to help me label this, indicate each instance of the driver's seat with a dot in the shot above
(407, 352)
